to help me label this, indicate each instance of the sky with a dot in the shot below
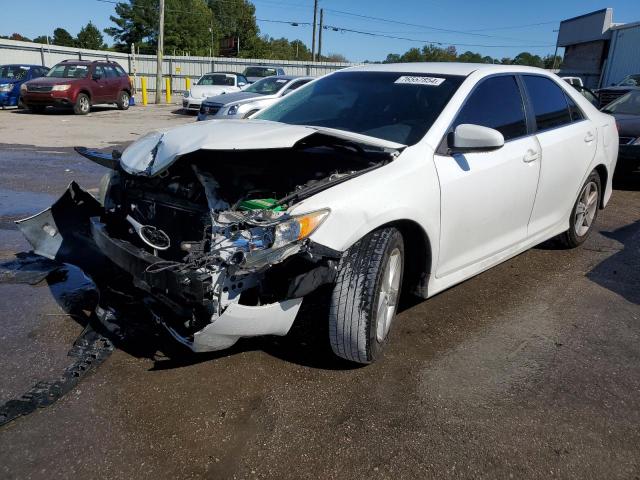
(498, 28)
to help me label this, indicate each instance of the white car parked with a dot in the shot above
(210, 84)
(370, 181)
(255, 97)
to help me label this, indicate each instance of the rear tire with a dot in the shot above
(83, 105)
(123, 101)
(365, 296)
(584, 213)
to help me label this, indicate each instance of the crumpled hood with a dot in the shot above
(203, 91)
(236, 97)
(158, 150)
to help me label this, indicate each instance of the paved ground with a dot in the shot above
(530, 370)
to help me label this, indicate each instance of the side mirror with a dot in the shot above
(241, 84)
(474, 138)
(96, 76)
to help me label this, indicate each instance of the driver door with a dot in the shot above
(487, 197)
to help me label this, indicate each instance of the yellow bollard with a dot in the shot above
(145, 100)
(188, 80)
(167, 82)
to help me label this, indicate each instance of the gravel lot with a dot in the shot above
(530, 370)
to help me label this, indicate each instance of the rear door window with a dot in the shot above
(496, 103)
(110, 71)
(549, 102)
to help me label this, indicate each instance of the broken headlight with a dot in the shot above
(298, 227)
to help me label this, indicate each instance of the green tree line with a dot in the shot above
(433, 53)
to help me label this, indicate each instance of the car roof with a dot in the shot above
(221, 73)
(444, 68)
(264, 66)
(30, 65)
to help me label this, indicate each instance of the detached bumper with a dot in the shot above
(239, 321)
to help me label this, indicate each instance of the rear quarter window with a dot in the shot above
(549, 102)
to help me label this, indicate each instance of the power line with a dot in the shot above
(424, 27)
(554, 22)
(441, 43)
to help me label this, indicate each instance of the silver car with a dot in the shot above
(256, 96)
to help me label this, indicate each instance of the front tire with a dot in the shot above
(584, 213)
(83, 105)
(365, 296)
(123, 101)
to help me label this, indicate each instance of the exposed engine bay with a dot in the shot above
(210, 238)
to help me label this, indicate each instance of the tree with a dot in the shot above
(526, 58)
(136, 22)
(90, 37)
(551, 61)
(335, 57)
(41, 39)
(63, 38)
(17, 36)
(470, 57)
(237, 18)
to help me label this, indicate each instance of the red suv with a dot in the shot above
(78, 85)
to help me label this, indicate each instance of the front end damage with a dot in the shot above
(207, 243)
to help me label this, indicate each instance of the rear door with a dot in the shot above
(99, 85)
(114, 83)
(568, 141)
(487, 197)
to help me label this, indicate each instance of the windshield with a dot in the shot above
(628, 104)
(217, 80)
(399, 107)
(13, 72)
(267, 86)
(65, 70)
(630, 81)
(259, 72)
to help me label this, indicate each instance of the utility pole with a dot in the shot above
(159, 56)
(313, 41)
(320, 34)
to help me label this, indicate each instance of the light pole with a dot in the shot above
(159, 55)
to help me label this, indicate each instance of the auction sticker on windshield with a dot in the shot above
(433, 81)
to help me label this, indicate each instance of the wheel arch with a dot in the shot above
(417, 248)
(603, 173)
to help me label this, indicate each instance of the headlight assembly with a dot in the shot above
(6, 87)
(298, 227)
(60, 88)
(233, 109)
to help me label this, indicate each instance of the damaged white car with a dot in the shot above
(367, 182)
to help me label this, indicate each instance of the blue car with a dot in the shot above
(12, 77)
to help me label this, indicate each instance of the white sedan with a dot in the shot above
(210, 84)
(360, 185)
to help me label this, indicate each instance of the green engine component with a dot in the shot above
(261, 204)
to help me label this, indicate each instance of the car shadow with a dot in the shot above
(183, 111)
(65, 111)
(620, 273)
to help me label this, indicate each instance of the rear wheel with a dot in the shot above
(365, 297)
(584, 213)
(123, 101)
(83, 105)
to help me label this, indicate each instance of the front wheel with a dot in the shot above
(584, 213)
(83, 105)
(365, 297)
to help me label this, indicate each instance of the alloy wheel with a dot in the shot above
(389, 292)
(586, 209)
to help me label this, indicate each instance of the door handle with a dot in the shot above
(531, 156)
(589, 137)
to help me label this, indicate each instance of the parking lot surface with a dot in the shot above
(530, 370)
